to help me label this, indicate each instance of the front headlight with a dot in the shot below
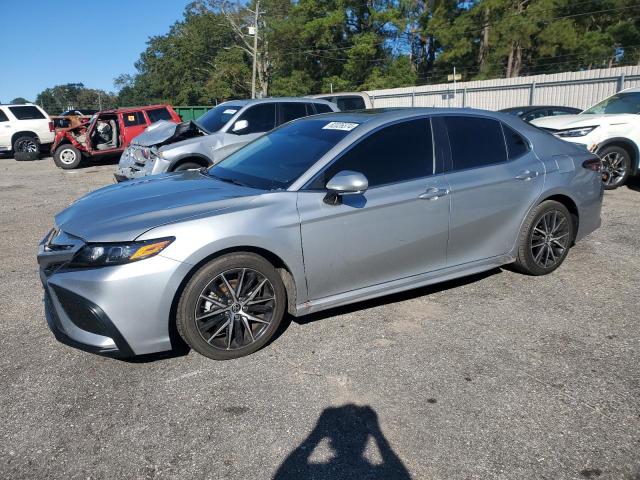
(104, 254)
(576, 132)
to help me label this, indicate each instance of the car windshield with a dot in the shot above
(277, 159)
(620, 103)
(217, 117)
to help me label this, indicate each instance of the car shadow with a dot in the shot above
(633, 183)
(348, 430)
(395, 297)
(99, 161)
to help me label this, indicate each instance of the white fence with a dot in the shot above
(571, 89)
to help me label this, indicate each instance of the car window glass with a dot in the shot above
(261, 118)
(516, 144)
(396, 153)
(292, 110)
(158, 114)
(26, 112)
(3, 117)
(559, 112)
(350, 103)
(475, 142)
(133, 118)
(322, 108)
(278, 158)
(627, 102)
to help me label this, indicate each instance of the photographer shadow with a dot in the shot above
(348, 430)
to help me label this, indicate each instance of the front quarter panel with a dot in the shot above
(269, 221)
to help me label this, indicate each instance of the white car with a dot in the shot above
(24, 130)
(611, 129)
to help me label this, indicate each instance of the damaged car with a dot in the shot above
(109, 132)
(166, 147)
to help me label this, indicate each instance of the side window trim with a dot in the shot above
(305, 187)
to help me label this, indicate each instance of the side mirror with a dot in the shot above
(240, 125)
(345, 182)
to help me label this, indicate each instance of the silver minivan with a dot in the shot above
(169, 147)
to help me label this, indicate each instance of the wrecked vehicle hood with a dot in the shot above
(164, 131)
(124, 211)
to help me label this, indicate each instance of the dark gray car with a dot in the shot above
(321, 212)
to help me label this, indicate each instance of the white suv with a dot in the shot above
(610, 129)
(24, 130)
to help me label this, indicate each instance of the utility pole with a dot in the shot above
(255, 49)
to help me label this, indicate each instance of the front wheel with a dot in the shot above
(545, 238)
(231, 307)
(67, 157)
(187, 166)
(616, 164)
(26, 148)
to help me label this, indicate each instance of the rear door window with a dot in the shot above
(27, 112)
(133, 118)
(292, 110)
(516, 144)
(475, 142)
(350, 103)
(261, 118)
(399, 152)
(3, 116)
(158, 114)
(322, 108)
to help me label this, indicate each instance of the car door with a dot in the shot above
(6, 131)
(260, 119)
(396, 229)
(494, 178)
(134, 124)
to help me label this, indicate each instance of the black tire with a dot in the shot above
(67, 157)
(26, 147)
(205, 284)
(187, 166)
(616, 166)
(538, 254)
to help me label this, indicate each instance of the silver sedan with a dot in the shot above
(321, 212)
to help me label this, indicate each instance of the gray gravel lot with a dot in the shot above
(497, 376)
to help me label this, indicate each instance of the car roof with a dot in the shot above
(380, 116)
(134, 109)
(275, 99)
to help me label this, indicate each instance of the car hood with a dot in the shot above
(562, 122)
(124, 211)
(164, 131)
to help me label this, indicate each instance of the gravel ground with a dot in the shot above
(496, 376)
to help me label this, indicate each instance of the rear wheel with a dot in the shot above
(26, 147)
(616, 164)
(67, 157)
(545, 239)
(231, 307)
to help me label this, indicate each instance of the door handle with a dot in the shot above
(527, 175)
(434, 193)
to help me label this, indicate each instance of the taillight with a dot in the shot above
(51, 127)
(592, 164)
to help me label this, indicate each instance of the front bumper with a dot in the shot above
(118, 311)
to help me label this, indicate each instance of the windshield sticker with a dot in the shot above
(229, 111)
(346, 126)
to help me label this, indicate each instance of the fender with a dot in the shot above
(635, 150)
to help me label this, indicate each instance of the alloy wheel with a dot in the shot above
(27, 145)
(614, 168)
(67, 156)
(550, 239)
(235, 309)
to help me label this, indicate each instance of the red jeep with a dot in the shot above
(109, 132)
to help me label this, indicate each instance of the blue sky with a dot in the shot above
(103, 39)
